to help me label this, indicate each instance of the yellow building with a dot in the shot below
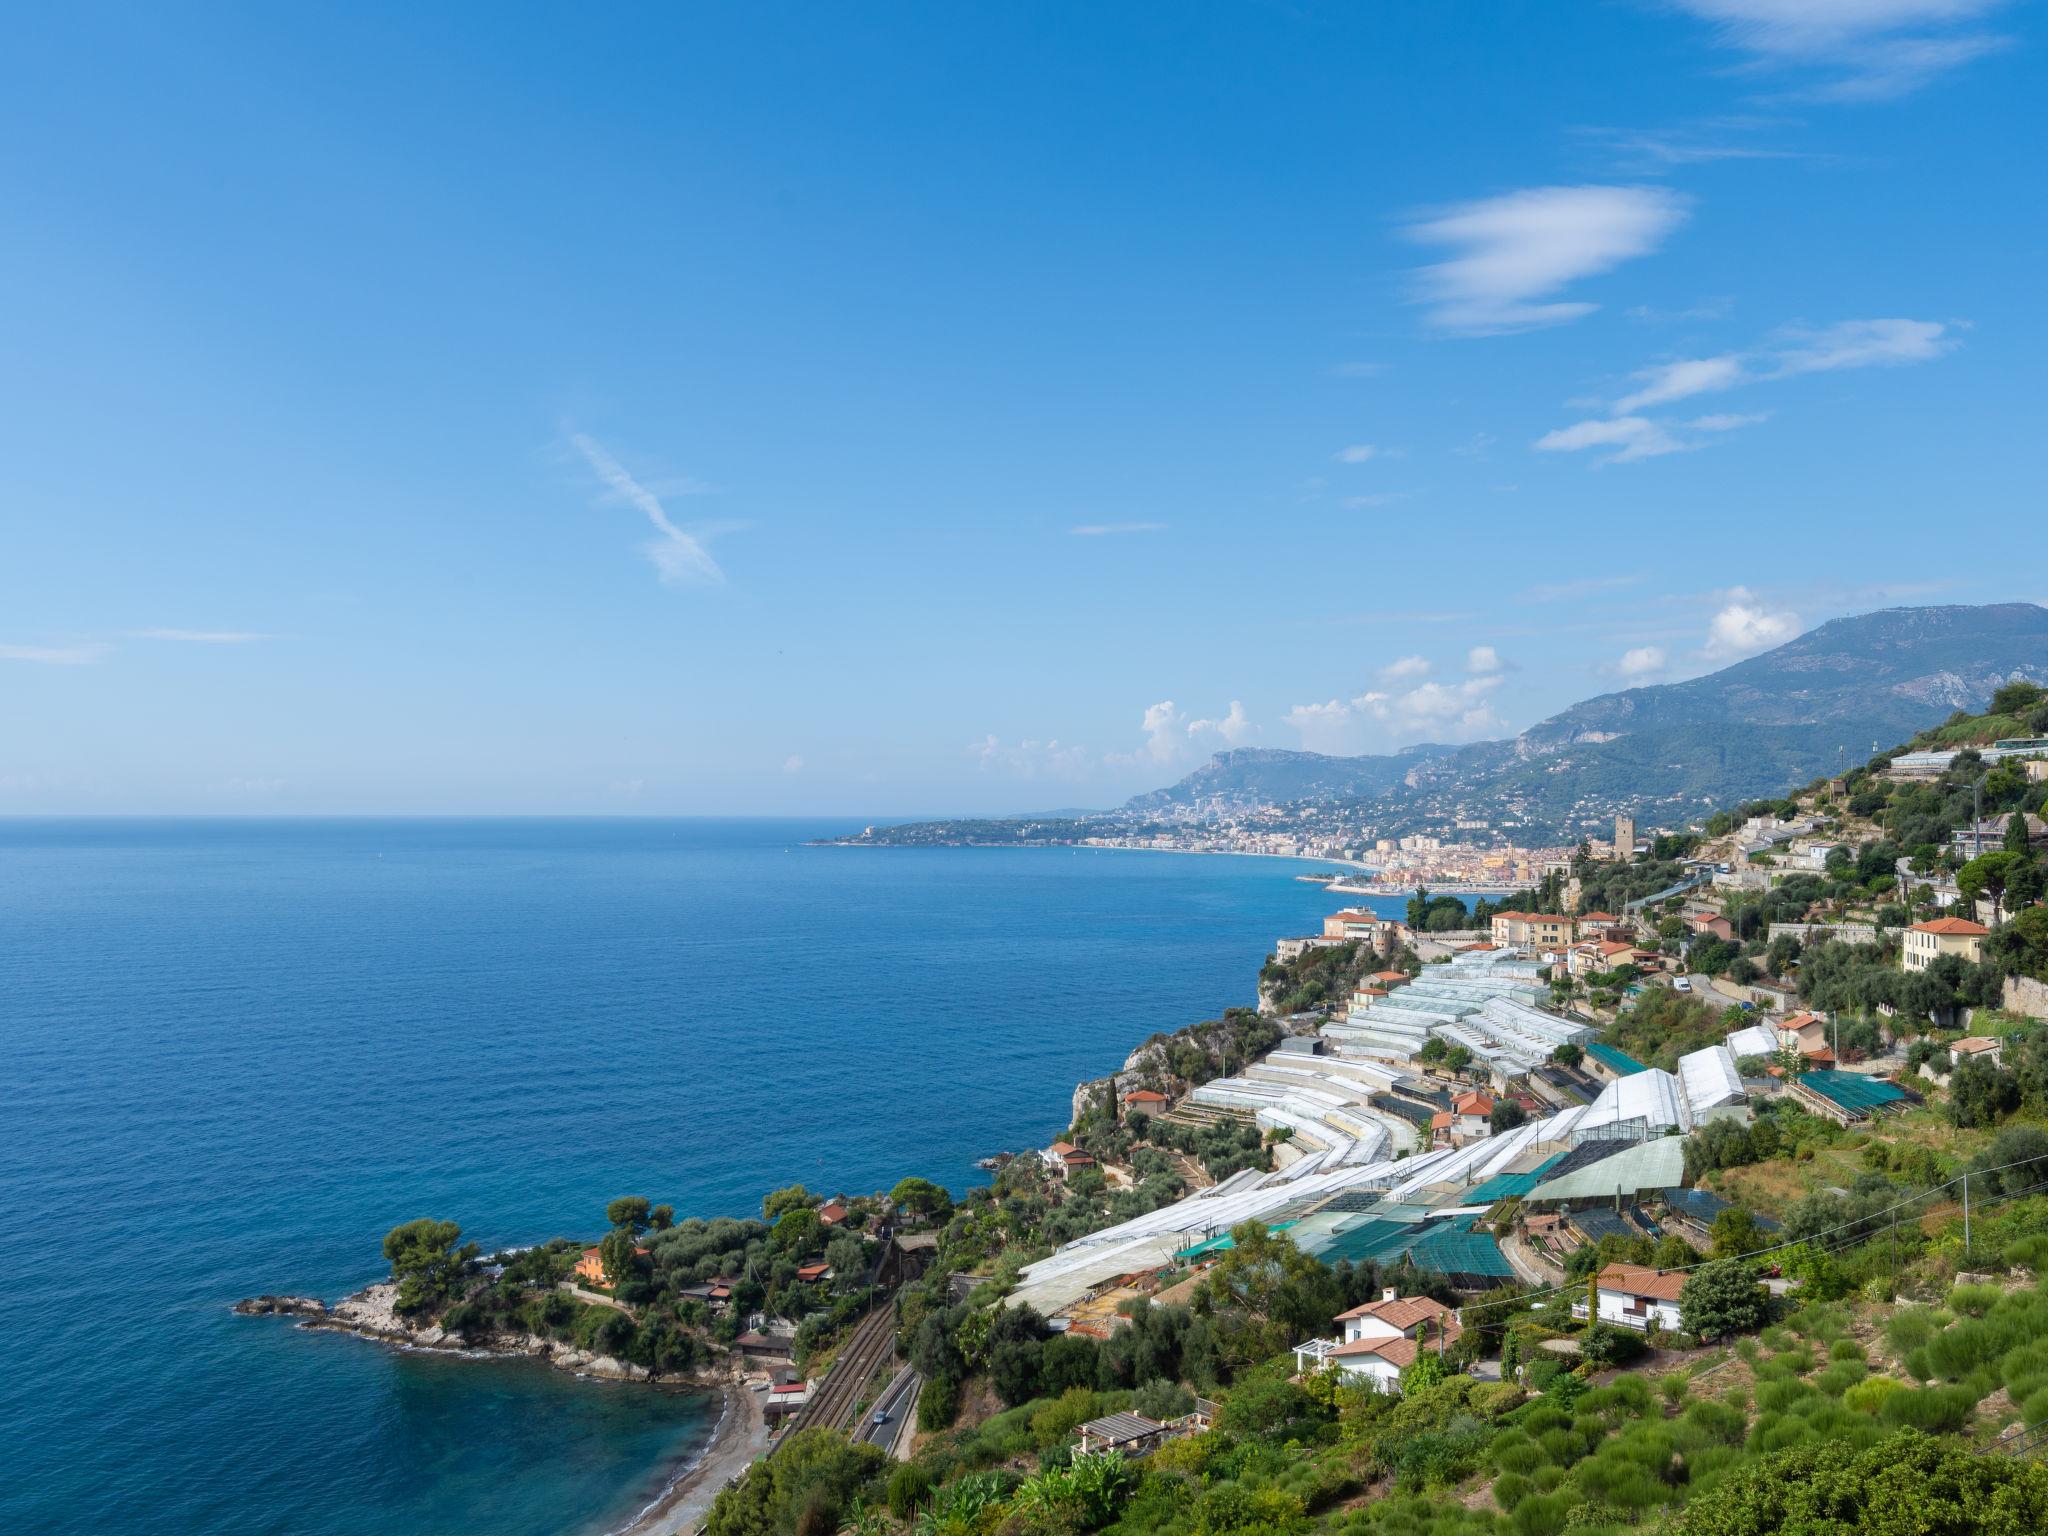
(1928, 942)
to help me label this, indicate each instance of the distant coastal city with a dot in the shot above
(1386, 867)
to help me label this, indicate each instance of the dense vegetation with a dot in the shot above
(656, 1271)
(1324, 978)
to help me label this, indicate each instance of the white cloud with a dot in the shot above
(793, 764)
(1406, 667)
(1515, 251)
(1357, 453)
(199, 636)
(1728, 421)
(1642, 661)
(1171, 737)
(1458, 711)
(1865, 344)
(1029, 759)
(1482, 659)
(1234, 729)
(1324, 727)
(1104, 530)
(1676, 381)
(1870, 49)
(56, 655)
(1745, 626)
(1373, 499)
(680, 558)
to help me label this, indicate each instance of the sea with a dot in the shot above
(234, 1053)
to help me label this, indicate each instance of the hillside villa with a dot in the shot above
(1381, 1339)
(1636, 1297)
(1928, 942)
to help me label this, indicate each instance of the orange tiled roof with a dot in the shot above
(1953, 927)
(1639, 1281)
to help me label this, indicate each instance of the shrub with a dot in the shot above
(1869, 1396)
(1845, 1349)
(2035, 1409)
(1933, 1410)
(1604, 1344)
(1509, 1489)
(1542, 1514)
(1909, 1328)
(1841, 1376)
(938, 1404)
(1974, 1300)
(909, 1486)
(1514, 1451)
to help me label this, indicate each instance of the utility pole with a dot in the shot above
(1966, 1218)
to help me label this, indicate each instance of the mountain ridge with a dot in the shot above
(1751, 728)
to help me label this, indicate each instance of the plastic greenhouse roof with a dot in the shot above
(1505, 1186)
(1853, 1090)
(1612, 1057)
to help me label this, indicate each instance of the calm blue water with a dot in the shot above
(233, 1054)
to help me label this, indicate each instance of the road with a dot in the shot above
(1527, 1265)
(895, 1405)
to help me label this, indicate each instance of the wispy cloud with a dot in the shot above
(1512, 253)
(83, 655)
(1864, 50)
(1660, 151)
(1791, 353)
(1584, 586)
(679, 557)
(1638, 437)
(200, 636)
(1863, 344)
(1373, 499)
(1717, 308)
(1171, 739)
(1357, 453)
(1407, 667)
(1106, 530)
(1675, 381)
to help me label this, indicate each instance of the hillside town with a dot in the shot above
(1491, 1104)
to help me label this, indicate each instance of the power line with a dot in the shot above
(1847, 1226)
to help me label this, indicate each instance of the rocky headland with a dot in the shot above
(372, 1313)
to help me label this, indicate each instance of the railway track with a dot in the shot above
(867, 1347)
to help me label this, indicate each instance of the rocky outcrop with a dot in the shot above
(372, 1313)
(280, 1306)
(1089, 1095)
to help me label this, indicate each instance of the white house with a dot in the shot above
(1381, 1339)
(1634, 1296)
(1976, 1048)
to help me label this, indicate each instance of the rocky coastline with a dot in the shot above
(372, 1313)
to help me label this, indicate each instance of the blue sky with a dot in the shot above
(898, 409)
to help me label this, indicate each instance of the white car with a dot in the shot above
(1683, 984)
